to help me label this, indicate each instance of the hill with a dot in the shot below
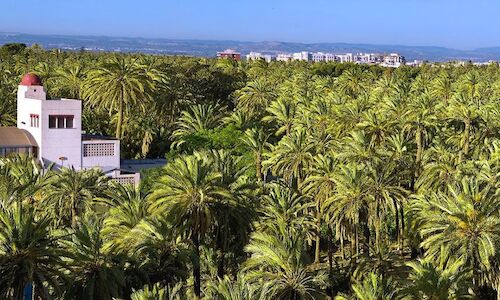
(208, 48)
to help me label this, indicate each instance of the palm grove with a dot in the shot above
(284, 181)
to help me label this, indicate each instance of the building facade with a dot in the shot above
(302, 56)
(230, 54)
(53, 130)
(259, 56)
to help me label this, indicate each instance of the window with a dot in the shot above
(57, 121)
(34, 120)
(100, 149)
(5, 151)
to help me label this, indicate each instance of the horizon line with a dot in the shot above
(246, 41)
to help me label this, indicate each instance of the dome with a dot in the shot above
(15, 137)
(31, 79)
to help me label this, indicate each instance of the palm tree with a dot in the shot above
(422, 83)
(197, 119)
(384, 87)
(353, 83)
(320, 186)
(118, 84)
(240, 289)
(292, 156)
(256, 141)
(469, 84)
(189, 193)
(255, 96)
(372, 287)
(157, 292)
(71, 192)
(432, 281)
(465, 221)
(467, 115)
(376, 127)
(29, 254)
(163, 256)
(284, 211)
(443, 87)
(386, 196)
(235, 212)
(128, 209)
(348, 208)
(21, 178)
(93, 272)
(68, 80)
(282, 113)
(420, 121)
(442, 169)
(7, 113)
(282, 262)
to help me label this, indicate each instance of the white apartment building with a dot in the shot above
(51, 130)
(318, 56)
(303, 56)
(393, 60)
(259, 56)
(331, 57)
(345, 58)
(368, 58)
(390, 60)
(284, 57)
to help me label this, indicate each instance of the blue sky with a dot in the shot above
(452, 23)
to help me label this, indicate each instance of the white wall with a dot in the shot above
(26, 107)
(62, 142)
(106, 163)
(53, 143)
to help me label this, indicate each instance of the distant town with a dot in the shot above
(391, 60)
(386, 60)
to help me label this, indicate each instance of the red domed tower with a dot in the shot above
(31, 79)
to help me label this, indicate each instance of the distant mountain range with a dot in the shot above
(208, 48)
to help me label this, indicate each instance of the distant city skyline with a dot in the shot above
(447, 23)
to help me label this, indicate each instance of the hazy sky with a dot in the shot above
(452, 23)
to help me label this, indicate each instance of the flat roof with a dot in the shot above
(97, 137)
(137, 165)
(16, 137)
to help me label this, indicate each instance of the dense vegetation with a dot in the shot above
(284, 181)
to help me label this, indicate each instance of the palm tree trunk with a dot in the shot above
(118, 134)
(402, 214)
(258, 166)
(398, 236)
(378, 229)
(196, 267)
(342, 250)
(74, 213)
(466, 137)
(318, 235)
(330, 259)
(223, 246)
(418, 156)
(356, 232)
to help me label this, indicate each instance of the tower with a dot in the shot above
(54, 124)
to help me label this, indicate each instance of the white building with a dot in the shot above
(318, 56)
(284, 57)
(52, 131)
(331, 57)
(345, 58)
(368, 58)
(259, 56)
(303, 56)
(393, 60)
